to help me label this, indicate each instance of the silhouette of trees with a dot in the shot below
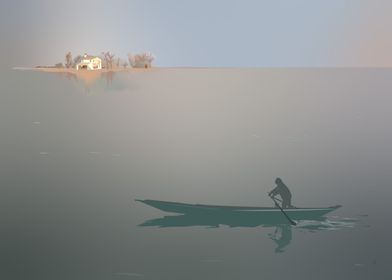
(143, 60)
(68, 60)
(108, 59)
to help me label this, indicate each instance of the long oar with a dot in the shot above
(284, 213)
(282, 201)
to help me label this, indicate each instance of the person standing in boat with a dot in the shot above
(284, 192)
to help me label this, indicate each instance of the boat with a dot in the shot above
(266, 214)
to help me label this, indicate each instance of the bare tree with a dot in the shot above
(104, 60)
(77, 60)
(143, 60)
(131, 59)
(68, 59)
(108, 59)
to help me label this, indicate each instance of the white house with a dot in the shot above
(89, 62)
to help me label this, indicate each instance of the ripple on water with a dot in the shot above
(338, 224)
(212, 261)
(129, 274)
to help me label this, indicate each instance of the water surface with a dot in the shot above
(74, 157)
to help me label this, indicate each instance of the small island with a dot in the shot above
(90, 67)
(103, 63)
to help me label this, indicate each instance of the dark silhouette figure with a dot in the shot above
(284, 192)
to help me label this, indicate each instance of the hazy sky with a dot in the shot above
(253, 33)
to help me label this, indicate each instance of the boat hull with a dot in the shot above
(240, 212)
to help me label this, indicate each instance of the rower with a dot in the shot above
(284, 192)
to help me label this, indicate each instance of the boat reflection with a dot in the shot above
(215, 220)
(282, 235)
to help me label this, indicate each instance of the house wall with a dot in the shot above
(96, 63)
(92, 64)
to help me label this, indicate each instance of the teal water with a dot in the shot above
(74, 158)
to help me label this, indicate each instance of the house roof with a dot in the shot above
(86, 56)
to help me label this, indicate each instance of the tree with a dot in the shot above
(108, 59)
(131, 59)
(77, 60)
(104, 60)
(68, 60)
(143, 60)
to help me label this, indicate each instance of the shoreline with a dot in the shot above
(50, 69)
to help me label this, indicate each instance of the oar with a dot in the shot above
(284, 213)
(282, 201)
(278, 199)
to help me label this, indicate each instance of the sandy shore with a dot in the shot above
(89, 77)
(74, 71)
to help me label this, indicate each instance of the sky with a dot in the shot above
(203, 33)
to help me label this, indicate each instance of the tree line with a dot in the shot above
(110, 61)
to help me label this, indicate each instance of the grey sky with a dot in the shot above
(202, 33)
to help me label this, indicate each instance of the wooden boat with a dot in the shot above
(264, 213)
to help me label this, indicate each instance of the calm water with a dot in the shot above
(74, 157)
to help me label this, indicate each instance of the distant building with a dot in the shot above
(89, 62)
